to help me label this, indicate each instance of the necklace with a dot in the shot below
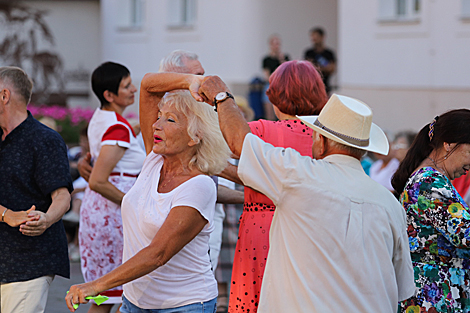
(440, 169)
(177, 173)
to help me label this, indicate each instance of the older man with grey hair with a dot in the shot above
(180, 61)
(34, 195)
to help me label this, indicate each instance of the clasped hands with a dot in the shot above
(31, 222)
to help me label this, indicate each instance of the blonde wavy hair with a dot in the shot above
(203, 127)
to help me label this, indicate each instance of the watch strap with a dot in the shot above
(215, 102)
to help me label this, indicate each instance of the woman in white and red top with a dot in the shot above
(118, 159)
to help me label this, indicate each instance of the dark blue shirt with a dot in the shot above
(33, 164)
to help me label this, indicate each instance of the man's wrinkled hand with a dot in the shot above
(211, 86)
(37, 224)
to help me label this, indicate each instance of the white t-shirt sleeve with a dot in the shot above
(265, 168)
(199, 193)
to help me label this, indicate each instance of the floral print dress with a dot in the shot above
(439, 235)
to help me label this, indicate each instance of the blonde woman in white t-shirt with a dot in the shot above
(168, 214)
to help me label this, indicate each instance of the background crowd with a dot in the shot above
(154, 237)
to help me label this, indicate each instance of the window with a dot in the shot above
(181, 13)
(466, 8)
(130, 14)
(399, 9)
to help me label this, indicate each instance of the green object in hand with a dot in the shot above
(99, 299)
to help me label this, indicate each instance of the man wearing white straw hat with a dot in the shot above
(338, 239)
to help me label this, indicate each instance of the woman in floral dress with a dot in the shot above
(296, 88)
(437, 217)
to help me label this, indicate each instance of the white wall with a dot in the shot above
(75, 26)
(230, 37)
(408, 72)
(430, 52)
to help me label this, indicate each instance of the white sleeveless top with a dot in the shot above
(187, 277)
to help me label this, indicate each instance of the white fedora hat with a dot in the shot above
(349, 122)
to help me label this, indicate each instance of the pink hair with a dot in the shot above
(296, 88)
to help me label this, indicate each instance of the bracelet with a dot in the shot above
(3, 215)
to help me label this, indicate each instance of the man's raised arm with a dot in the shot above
(231, 121)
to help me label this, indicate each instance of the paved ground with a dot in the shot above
(58, 289)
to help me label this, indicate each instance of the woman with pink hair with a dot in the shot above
(296, 88)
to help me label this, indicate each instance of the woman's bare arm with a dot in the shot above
(152, 89)
(181, 226)
(231, 121)
(108, 158)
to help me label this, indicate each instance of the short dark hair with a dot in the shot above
(450, 127)
(107, 76)
(19, 81)
(320, 31)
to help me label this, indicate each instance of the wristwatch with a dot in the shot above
(221, 96)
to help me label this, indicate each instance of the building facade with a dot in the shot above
(408, 59)
(231, 37)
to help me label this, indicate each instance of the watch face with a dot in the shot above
(221, 96)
